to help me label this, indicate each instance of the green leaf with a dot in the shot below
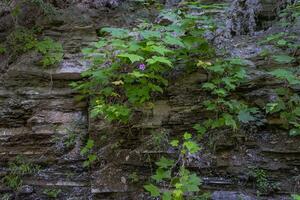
(116, 32)
(294, 132)
(282, 42)
(193, 183)
(159, 49)
(296, 111)
(165, 163)
(187, 136)
(150, 34)
(220, 92)
(174, 143)
(283, 59)
(161, 174)
(286, 75)
(100, 44)
(154, 191)
(209, 86)
(238, 61)
(90, 144)
(137, 74)
(275, 107)
(245, 116)
(191, 146)
(132, 57)
(229, 121)
(168, 196)
(200, 129)
(217, 68)
(173, 41)
(159, 59)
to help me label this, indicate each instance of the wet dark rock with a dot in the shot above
(225, 195)
(26, 189)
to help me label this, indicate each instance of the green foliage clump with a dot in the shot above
(21, 40)
(287, 104)
(263, 185)
(173, 180)
(87, 152)
(290, 13)
(17, 169)
(296, 197)
(129, 65)
(225, 77)
(51, 51)
(52, 193)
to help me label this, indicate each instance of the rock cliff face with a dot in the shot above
(41, 121)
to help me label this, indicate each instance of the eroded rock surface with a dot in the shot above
(40, 120)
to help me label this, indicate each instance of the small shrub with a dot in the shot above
(51, 51)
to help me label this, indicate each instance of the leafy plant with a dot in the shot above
(225, 77)
(129, 64)
(261, 181)
(175, 184)
(21, 40)
(17, 169)
(287, 105)
(51, 51)
(86, 151)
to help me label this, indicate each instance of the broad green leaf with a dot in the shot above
(296, 197)
(87, 51)
(100, 44)
(286, 75)
(154, 191)
(137, 74)
(238, 61)
(174, 143)
(229, 121)
(192, 184)
(191, 146)
(159, 59)
(165, 163)
(132, 57)
(217, 68)
(200, 129)
(275, 107)
(173, 41)
(116, 32)
(294, 132)
(90, 144)
(209, 86)
(245, 116)
(161, 174)
(187, 136)
(282, 42)
(159, 49)
(283, 59)
(150, 34)
(168, 196)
